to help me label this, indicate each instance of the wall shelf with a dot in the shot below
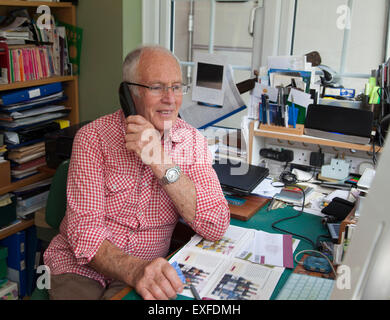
(254, 132)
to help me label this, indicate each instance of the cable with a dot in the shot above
(315, 251)
(289, 178)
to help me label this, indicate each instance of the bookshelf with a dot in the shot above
(64, 12)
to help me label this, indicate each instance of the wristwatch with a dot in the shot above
(171, 175)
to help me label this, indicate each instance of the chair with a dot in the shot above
(54, 213)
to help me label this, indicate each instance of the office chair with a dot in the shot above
(55, 211)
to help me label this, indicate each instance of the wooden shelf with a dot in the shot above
(25, 182)
(8, 231)
(18, 3)
(311, 140)
(33, 83)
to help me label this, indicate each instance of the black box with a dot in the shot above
(339, 123)
(58, 144)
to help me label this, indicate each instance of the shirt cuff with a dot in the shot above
(89, 242)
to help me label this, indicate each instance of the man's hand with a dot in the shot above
(143, 139)
(157, 280)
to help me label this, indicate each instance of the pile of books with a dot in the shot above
(34, 53)
(25, 117)
(31, 198)
(15, 30)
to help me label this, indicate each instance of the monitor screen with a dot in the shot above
(209, 75)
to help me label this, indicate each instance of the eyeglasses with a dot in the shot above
(159, 89)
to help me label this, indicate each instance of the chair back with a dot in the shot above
(56, 202)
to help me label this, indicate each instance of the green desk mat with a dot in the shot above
(306, 225)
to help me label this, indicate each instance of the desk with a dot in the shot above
(307, 225)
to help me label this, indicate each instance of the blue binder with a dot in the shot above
(16, 260)
(17, 96)
(33, 250)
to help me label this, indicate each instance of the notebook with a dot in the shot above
(239, 178)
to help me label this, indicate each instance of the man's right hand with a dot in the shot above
(157, 280)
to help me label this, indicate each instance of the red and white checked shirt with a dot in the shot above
(112, 195)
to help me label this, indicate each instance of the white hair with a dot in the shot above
(130, 72)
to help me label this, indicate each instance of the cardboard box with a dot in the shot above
(5, 173)
(9, 290)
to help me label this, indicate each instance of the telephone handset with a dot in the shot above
(126, 100)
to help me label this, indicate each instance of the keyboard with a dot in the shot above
(304, 287)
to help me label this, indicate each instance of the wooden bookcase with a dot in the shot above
(64, 12)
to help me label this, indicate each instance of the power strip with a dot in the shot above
(282, 156)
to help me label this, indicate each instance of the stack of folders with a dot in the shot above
(31, 198)
(25, 117)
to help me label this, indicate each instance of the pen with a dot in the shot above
(194, 292)
(267, 110)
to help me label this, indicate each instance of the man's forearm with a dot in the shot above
(155, 279)
(116, 264)
(182, 192)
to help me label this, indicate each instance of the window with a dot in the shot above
(351, 36)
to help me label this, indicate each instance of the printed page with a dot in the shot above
(199, 269)
(269, 249)
(231, 242)
(244, 280)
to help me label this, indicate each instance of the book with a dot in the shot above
(217, 271)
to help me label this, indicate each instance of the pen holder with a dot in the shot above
(298, 130)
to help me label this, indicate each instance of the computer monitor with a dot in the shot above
(367, 259)
(209, 78)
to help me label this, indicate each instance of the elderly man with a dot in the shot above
(129, 181)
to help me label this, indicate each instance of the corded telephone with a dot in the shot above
(126, 100)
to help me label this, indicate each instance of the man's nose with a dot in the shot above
(169, 96)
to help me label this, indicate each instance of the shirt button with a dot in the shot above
(146, 184)
(114, 187)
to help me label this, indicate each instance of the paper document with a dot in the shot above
(287, 62)
(213, 269)
(200, 116)
(300, 98)
(270, 249)
(266, 189)
(257, 92)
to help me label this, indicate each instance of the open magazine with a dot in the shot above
(224, 270)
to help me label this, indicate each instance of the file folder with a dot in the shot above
(17, 96)
(31, 133)
(16, 250)
(16, 259)
(32, 258)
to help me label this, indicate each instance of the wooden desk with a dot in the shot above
(307, 225)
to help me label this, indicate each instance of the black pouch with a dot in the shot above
(338, 208)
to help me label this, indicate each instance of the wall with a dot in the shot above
(110, 28)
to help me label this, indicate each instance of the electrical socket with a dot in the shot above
(338, 169)
(302, 157)
(354, 163)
